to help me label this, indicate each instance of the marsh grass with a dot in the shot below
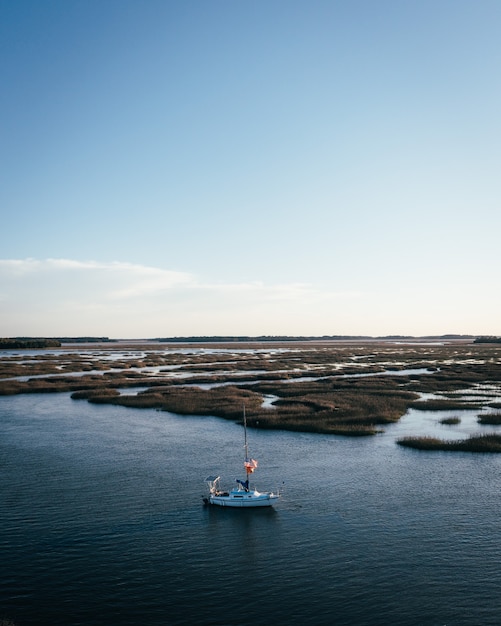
(476, 443)
(334, 404)
(450, 421)
(94, 395)
(492, 419)
(70, 383)
(226, 402)
(307, 407)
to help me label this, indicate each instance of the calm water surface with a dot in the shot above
(101, 522)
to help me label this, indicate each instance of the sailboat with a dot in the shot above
(241, 496)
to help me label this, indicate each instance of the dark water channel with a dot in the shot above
(101, 522)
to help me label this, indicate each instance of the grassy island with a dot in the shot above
(475, 443)
(450, 421)
(308, 407)
(492, 419)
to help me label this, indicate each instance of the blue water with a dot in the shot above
(101, 522)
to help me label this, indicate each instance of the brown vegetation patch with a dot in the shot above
(307, 407)
(72, 383)
(450, 421)
(492, 419)
(482, 443)
(226, 402)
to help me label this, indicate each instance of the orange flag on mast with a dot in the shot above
(250, 465)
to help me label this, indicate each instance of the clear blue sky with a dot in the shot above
(268, 167)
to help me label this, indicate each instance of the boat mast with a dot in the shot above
(249, 464)
(246, 447)
(246, 452)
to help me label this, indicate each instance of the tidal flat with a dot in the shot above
(332, 387)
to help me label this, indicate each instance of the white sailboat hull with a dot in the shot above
(243, 499)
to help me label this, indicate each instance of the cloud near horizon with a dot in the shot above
(56, 297)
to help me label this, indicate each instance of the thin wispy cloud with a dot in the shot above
(280, 291)
(67, 296)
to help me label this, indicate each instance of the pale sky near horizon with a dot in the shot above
(275, 167)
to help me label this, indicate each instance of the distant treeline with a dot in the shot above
(18, 343)
(263, 338)
(85, 339)
(245, 338)
(488, 340)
